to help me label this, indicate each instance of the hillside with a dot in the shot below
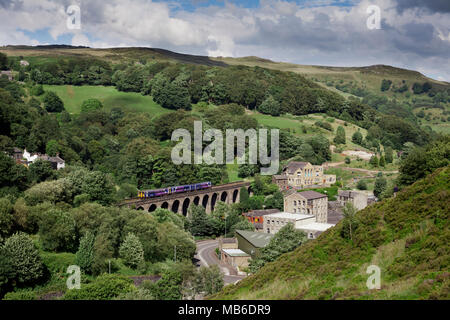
(406, 236)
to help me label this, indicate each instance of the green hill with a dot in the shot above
(407, 236)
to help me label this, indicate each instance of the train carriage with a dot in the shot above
(144, 194)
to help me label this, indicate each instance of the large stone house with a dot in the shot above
(358, 199)
(307, 202)
(301, 175)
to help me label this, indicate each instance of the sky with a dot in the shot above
(412, 34)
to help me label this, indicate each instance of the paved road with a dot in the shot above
(206, 256)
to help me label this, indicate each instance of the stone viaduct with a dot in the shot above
(180, 202)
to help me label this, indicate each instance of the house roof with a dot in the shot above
(257, 239)
(294, 166)
(258, 213)
(310, 194)
(280, 177)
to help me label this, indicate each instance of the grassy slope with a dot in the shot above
(73, 96)
(406, 236)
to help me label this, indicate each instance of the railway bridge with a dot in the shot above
(180, 202)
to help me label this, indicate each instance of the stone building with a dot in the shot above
(358, 199)
(8, 74)
(301, 175)
(274, 222)
(307, 202)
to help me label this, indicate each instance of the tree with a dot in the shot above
(374, 161)
(41, 170)
(6, 218)
(382, 161)
(388, 155)
(57, 231)
(199, 223)
(52, 102)
(285, 240)
(361, 185)
(208, 280)
(85, 253)
(3, 61)
(340, 135)
(270, 106)
(23, 255)
(380, 186)
(350, 221)
(357, 137)
(131, 251)
(91, 105)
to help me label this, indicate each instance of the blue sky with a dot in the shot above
(414, 35)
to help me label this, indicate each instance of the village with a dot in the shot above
(308, 211)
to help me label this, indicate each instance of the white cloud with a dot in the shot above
(308, 34)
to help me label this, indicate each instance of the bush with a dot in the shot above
(20, 295)
(347, 160)
(24, 257)
(105, 287)
(131, 251)
(270, 106)
(91, 105)
(361, 185)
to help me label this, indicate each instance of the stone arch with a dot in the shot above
(213, 201)
(205, 201)
(223, 196)
(165, 205)
(140, 208)
(250, 190)
(152, 208)
(175, 206)
(235, 195)
(196, 200)
(185, 206)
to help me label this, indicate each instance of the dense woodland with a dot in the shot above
(57, 218)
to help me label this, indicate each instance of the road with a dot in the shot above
(206, 256)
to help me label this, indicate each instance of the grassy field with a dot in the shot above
(73, 97)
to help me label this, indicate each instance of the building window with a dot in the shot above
(295, 203)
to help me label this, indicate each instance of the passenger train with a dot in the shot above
(144, 194)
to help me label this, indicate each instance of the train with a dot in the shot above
(144, 194)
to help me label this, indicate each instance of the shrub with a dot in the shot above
(361, 185)
(24, 257)
(20, 295)
(91, 105)
(105, 287)
(131, 251)
(347, 160)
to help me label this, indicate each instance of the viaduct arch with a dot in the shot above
(181, 202)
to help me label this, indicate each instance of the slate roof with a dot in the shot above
(294, 166)
(258, 213)
(311, 195)
(257, 239)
